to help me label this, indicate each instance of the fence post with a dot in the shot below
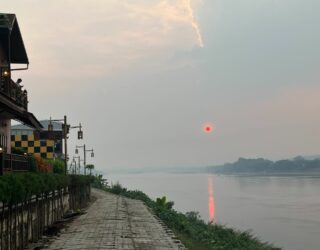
(1, 163)
(11, 169)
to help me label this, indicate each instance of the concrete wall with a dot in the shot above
(26, 222)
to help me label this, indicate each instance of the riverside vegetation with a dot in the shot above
(194, 233)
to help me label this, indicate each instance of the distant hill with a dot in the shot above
(297, 165)
(311, 157)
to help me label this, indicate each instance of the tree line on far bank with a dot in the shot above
(263, 166)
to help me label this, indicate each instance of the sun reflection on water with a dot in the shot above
(211, 205)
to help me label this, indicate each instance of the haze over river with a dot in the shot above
(282, 210)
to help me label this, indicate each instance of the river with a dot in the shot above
(281, 210)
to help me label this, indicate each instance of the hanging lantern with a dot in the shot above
(80, 135)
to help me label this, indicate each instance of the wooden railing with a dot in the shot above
(14, 92)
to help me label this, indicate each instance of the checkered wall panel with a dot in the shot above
(43, 148)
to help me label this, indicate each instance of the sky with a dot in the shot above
(144, 76)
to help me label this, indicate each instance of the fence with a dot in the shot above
(25, 222)
(13, 163)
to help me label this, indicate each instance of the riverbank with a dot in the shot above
(190, 229)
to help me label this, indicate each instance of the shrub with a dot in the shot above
(42, 165)
(58, 166)
(32, 163)
(15, 188)
(18, 151)
(99, 181)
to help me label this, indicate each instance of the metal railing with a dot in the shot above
(14, 163)
(14, 92)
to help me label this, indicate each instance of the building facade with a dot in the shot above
(13, 97)
(45, 144)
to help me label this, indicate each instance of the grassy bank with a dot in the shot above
(190, 228)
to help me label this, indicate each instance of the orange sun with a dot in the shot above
(208, 128)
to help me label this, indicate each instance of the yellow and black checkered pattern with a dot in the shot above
(42, 148)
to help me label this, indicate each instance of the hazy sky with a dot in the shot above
(143, 76)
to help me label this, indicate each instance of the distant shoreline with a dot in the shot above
(275, 174)
(297, 166)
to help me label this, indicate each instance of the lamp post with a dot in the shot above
(84, 154)
(73, 168)
(79, 166)
(65, 129)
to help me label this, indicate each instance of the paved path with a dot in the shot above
(114, 222)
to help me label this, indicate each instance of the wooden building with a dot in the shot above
(13, 97)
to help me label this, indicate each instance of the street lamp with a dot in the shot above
(84, 154)
(73, 168)
(80, 133)
(66, 129)
(5, 72)
(77, 157)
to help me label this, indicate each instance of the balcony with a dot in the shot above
(14, 101)
(14, 92)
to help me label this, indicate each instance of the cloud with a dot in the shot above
(193, 22)
(90, 38)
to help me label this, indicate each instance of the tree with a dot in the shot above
(90, 167)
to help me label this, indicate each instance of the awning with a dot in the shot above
(13, 111)
(30, 120)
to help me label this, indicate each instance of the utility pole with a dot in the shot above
(84, 158)
(65, 132)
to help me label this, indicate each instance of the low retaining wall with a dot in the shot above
(26, 222)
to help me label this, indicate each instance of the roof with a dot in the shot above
(57, 126)
(12, 111)
(11, 38)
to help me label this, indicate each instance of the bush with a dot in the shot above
(99, 182)
(42, 165)
(32, 163)
(15, 188)
(18, 151)
(58, 166)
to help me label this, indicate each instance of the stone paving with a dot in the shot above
(115, 222)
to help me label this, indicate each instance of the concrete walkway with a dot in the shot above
(114, 222)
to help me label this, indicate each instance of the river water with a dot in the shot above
(281, 210)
